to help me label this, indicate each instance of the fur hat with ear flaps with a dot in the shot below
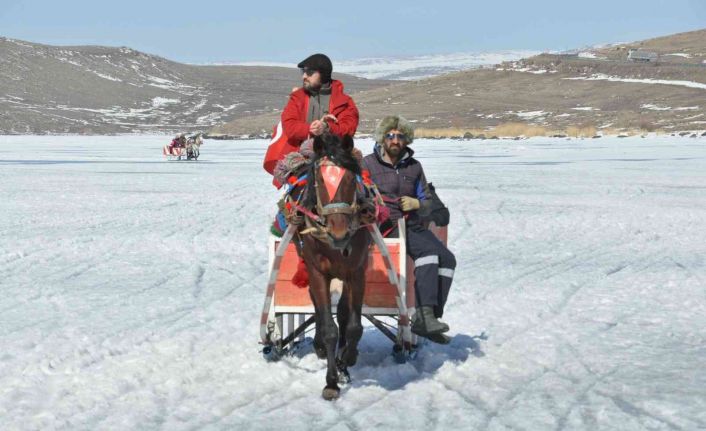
(394, 122)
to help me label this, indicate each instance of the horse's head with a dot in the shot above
(336, 187)
(196, 140)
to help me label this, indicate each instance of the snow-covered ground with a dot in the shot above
(131, 291)
(604, 77)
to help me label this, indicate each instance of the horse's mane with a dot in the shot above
(336, 149)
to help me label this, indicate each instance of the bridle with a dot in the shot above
(328, 182)
(361, 215)
(332, 175)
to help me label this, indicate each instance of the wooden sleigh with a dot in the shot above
(389, 300)
(174, 153)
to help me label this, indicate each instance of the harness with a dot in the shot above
(315, 223)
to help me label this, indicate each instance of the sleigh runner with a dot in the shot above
(388, 302)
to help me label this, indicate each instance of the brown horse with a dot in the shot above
(334, 243)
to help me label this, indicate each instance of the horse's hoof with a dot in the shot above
(330, 394)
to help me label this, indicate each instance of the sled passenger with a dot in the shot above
(403, 185)
(179, 141)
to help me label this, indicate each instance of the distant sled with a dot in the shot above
(191, 150)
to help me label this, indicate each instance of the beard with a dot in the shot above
(393, 150)
(308, 86)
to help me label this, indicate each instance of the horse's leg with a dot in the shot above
(319, 347)
(353, 291)
(342, 315)
(321, 295)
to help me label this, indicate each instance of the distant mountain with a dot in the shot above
(104, 90)
(597, 89)
(100, 90)
(416, 67)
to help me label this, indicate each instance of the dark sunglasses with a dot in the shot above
(307, 71)
(400, 136)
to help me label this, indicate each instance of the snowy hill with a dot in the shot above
(97, 90)
(415, 67)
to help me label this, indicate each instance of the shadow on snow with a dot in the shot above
(377, 367)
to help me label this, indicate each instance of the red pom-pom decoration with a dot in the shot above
(301, 277)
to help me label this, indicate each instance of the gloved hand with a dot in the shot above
(408, 203)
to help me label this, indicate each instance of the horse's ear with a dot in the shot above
(347, 143)
(318, 145)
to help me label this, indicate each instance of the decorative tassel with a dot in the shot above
(383, 213)
(301, 277)
(279, 225)
(366, 177)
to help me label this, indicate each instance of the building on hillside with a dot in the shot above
(642, 56)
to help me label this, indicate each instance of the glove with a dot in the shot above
(408, 203)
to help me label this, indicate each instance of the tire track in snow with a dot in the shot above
(632, 410)
(556, 308)
(198, 280)
(496, 413)
(478, 404)
(580, 400)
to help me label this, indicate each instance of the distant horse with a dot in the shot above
(332, 240)
(193, 147)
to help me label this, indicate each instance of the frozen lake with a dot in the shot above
(131, 291)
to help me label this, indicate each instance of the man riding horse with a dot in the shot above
(319, 106)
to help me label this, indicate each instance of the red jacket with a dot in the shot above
(340, 105)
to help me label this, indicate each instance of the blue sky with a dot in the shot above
(206, 31)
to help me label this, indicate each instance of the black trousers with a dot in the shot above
(434, 267)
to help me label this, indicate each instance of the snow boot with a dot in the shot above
(424, 323)
(439, 338)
